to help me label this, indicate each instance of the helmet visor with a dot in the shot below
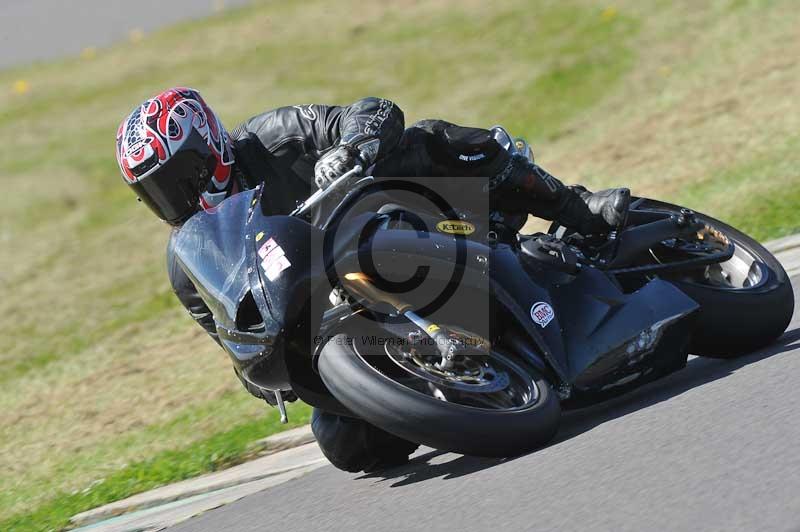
(173, 190)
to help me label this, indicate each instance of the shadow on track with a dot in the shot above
(698, 371)
(419, 468)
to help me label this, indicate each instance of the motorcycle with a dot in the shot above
(564, 320)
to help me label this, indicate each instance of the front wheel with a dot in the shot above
(745, 302)
(487, 404)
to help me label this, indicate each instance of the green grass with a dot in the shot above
(219, 451)
(105, 376)
(762, 196)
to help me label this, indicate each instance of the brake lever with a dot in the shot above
(321, 194)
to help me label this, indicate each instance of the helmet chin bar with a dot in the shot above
(172, 192)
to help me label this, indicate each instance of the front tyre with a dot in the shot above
(428, 410)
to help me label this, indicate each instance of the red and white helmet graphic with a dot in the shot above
(162, 127)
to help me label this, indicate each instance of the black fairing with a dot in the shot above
(595, 321)
(267, 323)
(584, 344)
(218, 249)
(211, 248)
(286, 300)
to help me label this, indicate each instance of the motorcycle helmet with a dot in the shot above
(169, 148)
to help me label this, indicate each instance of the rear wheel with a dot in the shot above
(486, 404)
(745, 302)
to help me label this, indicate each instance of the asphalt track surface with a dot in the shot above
(712, 447)
(35, 30)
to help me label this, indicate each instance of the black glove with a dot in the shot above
(361, 151)
(335, 164)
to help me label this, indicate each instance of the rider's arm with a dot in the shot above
(371, 125)
(320, 140)
(366, 131)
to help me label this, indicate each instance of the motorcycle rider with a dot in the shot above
(178, 158)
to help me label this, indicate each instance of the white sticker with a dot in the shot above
(275, 260)
(275, 267)
(542, 314)
(267, 248)
(470, 158)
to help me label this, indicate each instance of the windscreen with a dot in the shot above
(211, 247)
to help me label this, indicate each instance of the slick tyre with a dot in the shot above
(385, 399)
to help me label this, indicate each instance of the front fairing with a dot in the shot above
(216, 249)
(287, 266)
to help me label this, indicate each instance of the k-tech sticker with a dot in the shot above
(455, 227)
(542, 314)
(275, 260)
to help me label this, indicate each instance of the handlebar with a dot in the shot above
(321, 194)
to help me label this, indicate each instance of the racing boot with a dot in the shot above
(525, 186)
(592, 213)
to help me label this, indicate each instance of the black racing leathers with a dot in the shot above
(281, 147)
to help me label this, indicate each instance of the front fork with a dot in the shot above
(361, 285)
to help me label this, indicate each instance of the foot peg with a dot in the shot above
(281, 407)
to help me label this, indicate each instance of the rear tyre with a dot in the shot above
(388, 399)
(746, 303)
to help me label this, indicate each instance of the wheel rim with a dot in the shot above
(480, 378)
(744, 271)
